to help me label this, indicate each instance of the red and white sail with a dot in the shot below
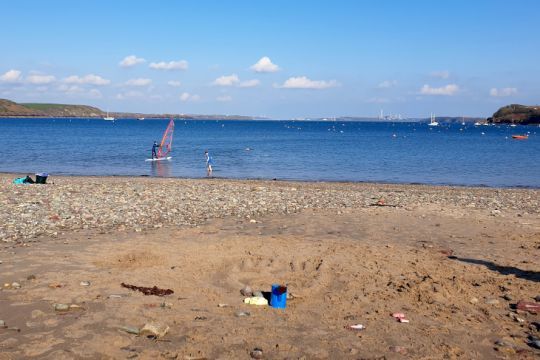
(166, 142)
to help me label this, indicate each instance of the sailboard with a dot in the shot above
(165, 147)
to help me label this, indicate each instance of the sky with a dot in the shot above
(278, 59)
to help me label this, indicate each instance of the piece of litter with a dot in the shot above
(256, 301)
(85, 283)
(356, 327)
(402, 320)
(398, 315)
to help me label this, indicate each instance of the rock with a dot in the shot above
(492, 302)
(222, 305)
(241, 313)
(535, 343)
(37, 313)
(473, 300)
(15, 285)
(61, 307)
(2, 324)
(537, 298)
(256, 353)
(85, 283)
(31, 277)
(258, 294)
(495, 212)
(507, 297)
(246, 291)
(130, 330)
(156, 330)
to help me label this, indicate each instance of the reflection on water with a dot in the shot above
(161, 168)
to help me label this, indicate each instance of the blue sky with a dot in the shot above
(280, 59)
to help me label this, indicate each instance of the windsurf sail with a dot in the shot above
(166, 142)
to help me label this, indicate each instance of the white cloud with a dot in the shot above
(185, 96)
(174, 83)
(265, 65)
(87, 79)
(40, 79)
(448, 90)
(302, 82)
(224, 98)
(249, 83)
(130, 61)
(387, 84)
(443, 74)
(139, 82)
(80, 91)
(171, 65)
(227, 80)
(11, 76)
(502, 92)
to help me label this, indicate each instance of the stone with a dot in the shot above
(2, 324)
(258, 294)
(535, 343)
(31, 277)
(507, 297)
(61, 307)
(241, 314)
(256, 353)
(473, 300)
(492, 301)
(537, 298)
(85, 283)
(130, 330)
(399, 349)
(15, 285)
(246, 291)
(156, 330)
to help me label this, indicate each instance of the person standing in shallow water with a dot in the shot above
(154, 152)
(209, 163)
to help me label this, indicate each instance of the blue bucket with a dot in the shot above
(278, 297)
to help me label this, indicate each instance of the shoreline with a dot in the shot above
(439, 185)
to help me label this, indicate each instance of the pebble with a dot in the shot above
(246, 291)
(507, 297)
(256, 353)
(492, 302)
(241, 313)
(535, 343)
(258, 294)
(156, 330)
(537, 298)
(85, 283)
(399, 349)
(31, 277)
(473, 300)
(130, 329)
(222, 305)
(15, 285)
(61, 307)
(2, 324)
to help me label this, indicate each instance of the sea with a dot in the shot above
(386, 152)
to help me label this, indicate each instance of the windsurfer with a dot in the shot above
(209, 163)
(154, 150)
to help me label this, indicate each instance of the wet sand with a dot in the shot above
(455, 261)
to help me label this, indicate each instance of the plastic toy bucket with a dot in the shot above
(278, 297)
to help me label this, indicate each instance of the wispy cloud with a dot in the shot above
(503, 92)
(227, 80)
(442, 74)
(448, 90)
(139, 82)
(130, 61)
(80, 91)
(87, 79)
(174, 83)
(11, 76)
(39, 79)
(171, 65)
(377, 100)
(129, 94)
(224, 98)
(265, 65)
(249, 83)
(302, 82)
(387, 84)
(185, 97)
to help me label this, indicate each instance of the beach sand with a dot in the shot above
(454, 260)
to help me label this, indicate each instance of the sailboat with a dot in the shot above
(165, 146)
(432, 121)
(109, 118)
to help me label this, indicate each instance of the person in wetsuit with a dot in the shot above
(154, 150)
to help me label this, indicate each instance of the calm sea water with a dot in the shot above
(336, 151)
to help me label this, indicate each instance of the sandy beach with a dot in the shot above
(455, 261)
